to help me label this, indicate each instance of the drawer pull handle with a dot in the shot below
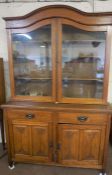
(82, 118)
(29, 116)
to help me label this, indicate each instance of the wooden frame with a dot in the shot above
(106, 67)
(58, 15)
(53, 51)
(87, 121)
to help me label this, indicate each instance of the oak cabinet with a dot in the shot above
(31, 137)
(59, 70)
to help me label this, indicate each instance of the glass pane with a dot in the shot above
(83, 56)
(32, 62)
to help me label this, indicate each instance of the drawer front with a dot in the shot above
(30, 115)
(82, 118)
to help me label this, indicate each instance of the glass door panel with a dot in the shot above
(32, 62)
(83, 56)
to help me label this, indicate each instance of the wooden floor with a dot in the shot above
(29, 169)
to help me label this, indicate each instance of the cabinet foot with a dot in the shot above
(11, 166)
(103, 173)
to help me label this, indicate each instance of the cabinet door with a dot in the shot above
(92, 144)
(81, 145)
(42, 142)
(33, 62)
(81, 64)
(31, 141)
(68, 144)
(20, 139)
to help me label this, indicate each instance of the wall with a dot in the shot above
(17, 9)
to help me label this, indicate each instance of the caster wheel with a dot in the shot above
(11, 167)
(102, 173)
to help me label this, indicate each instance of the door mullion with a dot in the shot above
(54, 55)
(59, 60)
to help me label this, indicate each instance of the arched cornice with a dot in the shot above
(59, 11)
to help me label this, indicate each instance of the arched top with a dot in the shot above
(59, 11)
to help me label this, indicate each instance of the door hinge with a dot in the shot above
(58, 146)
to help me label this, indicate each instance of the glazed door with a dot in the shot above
(33, 62)
(31, 141)
(58, 60)
(81, 64)
(81, 145)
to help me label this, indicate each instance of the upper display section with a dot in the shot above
(59, 54)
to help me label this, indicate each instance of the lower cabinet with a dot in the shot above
(32, 141)
(81, 144)
(30, 135)
(62, 138)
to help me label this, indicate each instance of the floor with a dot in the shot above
(29, 169)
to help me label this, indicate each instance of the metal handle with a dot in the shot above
(82, 118)
(30, 116)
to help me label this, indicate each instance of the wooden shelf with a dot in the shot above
(33, 41)
(83, 41)
(29, 78)
(84, 79)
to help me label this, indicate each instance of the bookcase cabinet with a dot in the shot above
(59, 67)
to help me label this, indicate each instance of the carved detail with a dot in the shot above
(40, 146)
(21, 135)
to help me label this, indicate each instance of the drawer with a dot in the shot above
(31, 115)
(82, 118)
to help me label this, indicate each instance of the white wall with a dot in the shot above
(102, 6)
(18, 9)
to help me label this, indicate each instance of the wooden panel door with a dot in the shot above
(31, 141)
(42, 142)
(68, 146)
(21, 141)
(92, 138)
(81, 145)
